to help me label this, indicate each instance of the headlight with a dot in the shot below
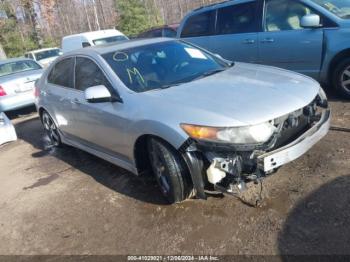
(255, 134)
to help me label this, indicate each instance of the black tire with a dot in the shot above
(342, 73)
(51, 129)
(170, 171)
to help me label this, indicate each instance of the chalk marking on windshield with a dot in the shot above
(122, 57)
(136, 73)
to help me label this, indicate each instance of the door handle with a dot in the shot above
(249, 41)
(268, 40)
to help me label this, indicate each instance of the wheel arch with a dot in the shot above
(336, 60)
(41, 111)
(193, 161)
(140, 152)
(150, 128)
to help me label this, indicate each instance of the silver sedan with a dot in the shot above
(17, 78)
(168, 108)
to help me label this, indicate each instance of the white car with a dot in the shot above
(44, 56)
(7, 130)
(102, 37)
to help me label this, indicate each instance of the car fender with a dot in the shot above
(337, 46)
(174, 136)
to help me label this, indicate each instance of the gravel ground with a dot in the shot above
(65, 201)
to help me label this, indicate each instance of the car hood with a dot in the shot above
(245, 94)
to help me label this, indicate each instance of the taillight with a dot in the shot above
(2, 91)
(36, 91)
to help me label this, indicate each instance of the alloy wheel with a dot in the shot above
(345, 79)
(51, 129)
(159, 169)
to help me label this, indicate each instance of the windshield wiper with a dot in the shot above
(170, 85)
(189, 79)
(209, 73)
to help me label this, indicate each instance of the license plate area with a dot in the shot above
(25, 87)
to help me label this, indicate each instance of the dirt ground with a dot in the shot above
(66, 201)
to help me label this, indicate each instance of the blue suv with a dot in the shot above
(311, 37)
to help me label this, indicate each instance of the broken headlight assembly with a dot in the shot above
(254, 134)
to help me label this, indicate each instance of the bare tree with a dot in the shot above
(87, 15)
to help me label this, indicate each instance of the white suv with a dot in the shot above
(102, 37)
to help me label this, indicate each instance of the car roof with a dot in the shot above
(94, 34)
(103, 49)
(11, 60)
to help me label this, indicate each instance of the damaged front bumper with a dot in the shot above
(272, 160)
(222, 169)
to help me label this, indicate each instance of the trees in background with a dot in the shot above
(15, 38)
(136, 16)
(39, 23)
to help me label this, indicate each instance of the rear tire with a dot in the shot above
(170, 171)
(51, 129)
(341, 78)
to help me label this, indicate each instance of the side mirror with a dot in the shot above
(100, 94)
(310, 21)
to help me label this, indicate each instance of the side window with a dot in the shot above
(202, 24)
(88, 74)
(285, 15)
(239, 18)
(62, 73)
(85, 44)
(29, 55)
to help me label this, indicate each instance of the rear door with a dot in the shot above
(199, 29)
(284, 43)
(236, 30)
(60, 86)
(229, 31)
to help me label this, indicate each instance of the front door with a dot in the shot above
(284, 43)
(100, 126)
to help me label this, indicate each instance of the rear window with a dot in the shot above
(202, 24)
(109, 40)
(18, 67)
(47, 54)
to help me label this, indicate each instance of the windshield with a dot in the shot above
(340, 8)
(162, 65)
(108, 40)
(17, 67)
(47, 54)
